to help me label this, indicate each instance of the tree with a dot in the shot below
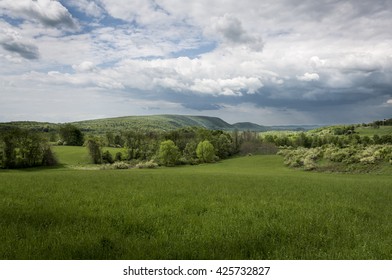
(205, 151)
(107, 157)
(24, 148)
(190, 150)
(71, 135)
(110, 138)
(48, 159)
(224, 145)
(8, 150)
(94, 150)
(168, 153)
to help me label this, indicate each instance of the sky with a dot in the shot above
(271, 62)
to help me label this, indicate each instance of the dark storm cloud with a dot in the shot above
(202, 106)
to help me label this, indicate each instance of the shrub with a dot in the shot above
(368, 160)
(148, 164)
(107, 157)
(118, 156)
(121, 165)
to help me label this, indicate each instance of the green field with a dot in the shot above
(74, 156)
(243, 208)
(370, 131)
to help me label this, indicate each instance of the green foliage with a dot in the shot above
(168, 153)
(118, 156)
(21, 148)
(120, 165)
(71, 135)
(190, 150)
(330, 157)
(147, 164)
(205, 151)
(48, 157)
(107, 157)
(94, 151)
(151, 123)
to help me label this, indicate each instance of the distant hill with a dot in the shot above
(153, 122)
(250, 126)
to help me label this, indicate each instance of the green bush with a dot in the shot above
(121, 165)
(348, 156)
(148, 164)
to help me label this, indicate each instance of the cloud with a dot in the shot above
(308, 77)
(88, 7)
(199, 106)
(85, 66)
(229, 87)
(201, 56)
(12, 42)
(389, 102)
(144, 12)
(50, 13)
(230, 29)
(27, 51)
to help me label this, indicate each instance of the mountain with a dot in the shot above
(153, 122)
(250, 126)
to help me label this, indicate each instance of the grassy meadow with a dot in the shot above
(242, 208)
(370, 131)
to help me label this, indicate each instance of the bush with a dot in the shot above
(347, 158)
(121, 165)
(118, 156)
(148, 164)
(107, 157)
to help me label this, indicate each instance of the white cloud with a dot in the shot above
(389, 101)
(308, 77)
(89, 7)
(47, 12)
(230, 29)
(85, 66)
(145, 12)
(315, 62)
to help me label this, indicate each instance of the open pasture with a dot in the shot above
(242, 208)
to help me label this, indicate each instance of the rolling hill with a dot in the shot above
(153, 122)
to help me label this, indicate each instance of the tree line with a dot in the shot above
(321, 138)
(21, 148)
(191, 145)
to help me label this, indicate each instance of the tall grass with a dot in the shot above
(244, 208)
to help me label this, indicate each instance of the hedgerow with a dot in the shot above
(313, 158)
